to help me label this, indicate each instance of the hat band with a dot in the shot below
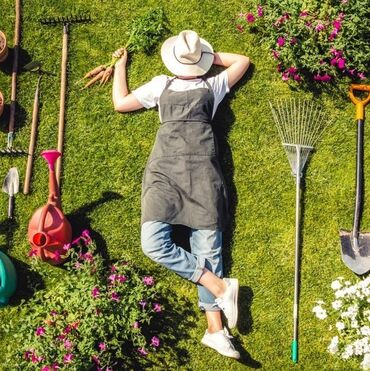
(190, 63)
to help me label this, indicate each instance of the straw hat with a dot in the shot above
(187, 54)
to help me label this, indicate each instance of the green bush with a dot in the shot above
(315, 41)
(94, 317)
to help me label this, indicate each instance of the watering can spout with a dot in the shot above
(50, 157)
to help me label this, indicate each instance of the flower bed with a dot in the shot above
(94, 318)
(319, 41)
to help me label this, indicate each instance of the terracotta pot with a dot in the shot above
(3, 47)
(1, 103)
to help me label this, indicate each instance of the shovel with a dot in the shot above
(355, 245)
(11, 187)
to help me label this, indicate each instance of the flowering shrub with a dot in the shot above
(92, 318)
(318, 41)
(351, 313)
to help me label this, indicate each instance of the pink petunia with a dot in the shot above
(293, 41)
(35, 358)
(55, 366)
(361, 75)
(157, 307)
(142, 351)
(275, 54)
(285, 76)
(95, 292)
(333, 34)
(95, 359)
(241, 15)
(250, 18)
(240, 28)
(46, 368)
(40, 331)
(292, 70)
(32, 253)
(155, 341)
(102, 346)
(337, 24)
(297, 77)
(121, 278)
(304, 13)
(142, 303)
(86, 236)
(68, 358)
(136, 324)
(319, 27)
(112, 277)
(148, 280)
(260, 10)
(67, 344)
(67, 246)
(325, 78)
(341, 63)
(280, 41)
(115, 297)
(113, 268)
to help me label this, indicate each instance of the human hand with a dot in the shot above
(121, 56)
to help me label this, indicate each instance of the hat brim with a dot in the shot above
(180, 69)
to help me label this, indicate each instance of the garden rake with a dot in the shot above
(300, 124)
(65, 21)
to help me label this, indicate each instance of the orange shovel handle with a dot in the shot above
(360, 104)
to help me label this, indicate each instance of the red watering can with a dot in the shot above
(49, 230)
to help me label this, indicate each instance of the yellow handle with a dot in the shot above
(360, 104)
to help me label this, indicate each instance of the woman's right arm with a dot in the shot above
(123, 101)
(236, 65)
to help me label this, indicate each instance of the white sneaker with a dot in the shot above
(220, 341)
(228, 303)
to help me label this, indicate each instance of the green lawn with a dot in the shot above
(105, 154)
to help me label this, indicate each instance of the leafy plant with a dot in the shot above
(349, 315)
(319, 41)
(93, 318)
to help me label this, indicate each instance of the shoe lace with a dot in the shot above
(227, 334)
(219, 303)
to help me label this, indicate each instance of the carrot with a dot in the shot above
(92, 73)
(94, 79)
(107, 74)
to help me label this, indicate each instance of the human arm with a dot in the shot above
(236, 65)
(123, 101)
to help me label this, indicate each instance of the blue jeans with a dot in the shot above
(206, 246)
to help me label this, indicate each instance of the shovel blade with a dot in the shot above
(11, 182)
(356, 259)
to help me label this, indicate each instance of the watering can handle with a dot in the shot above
(360, 104)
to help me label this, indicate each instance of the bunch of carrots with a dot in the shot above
(101, 73)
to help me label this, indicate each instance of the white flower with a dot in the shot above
(366, 362)
(340, 326)
(365, 330)
(333, 346)
(337, 304)
(348, 352)
(336, 285)
(339, 294)
(319, 312)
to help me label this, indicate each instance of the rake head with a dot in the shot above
(13, 152)
(78, 18)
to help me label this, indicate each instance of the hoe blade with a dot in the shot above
(356, 259)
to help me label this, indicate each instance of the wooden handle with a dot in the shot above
(63, 89)
(31, 148)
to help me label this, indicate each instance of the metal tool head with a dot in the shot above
(11, 182)
(78, 18)
(36, 67)
(355, 251)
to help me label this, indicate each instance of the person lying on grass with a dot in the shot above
(182, 182)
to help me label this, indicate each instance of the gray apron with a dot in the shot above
(182, 182)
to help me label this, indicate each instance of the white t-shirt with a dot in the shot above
(149, 93)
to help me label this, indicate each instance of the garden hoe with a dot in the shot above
(36, 68)
(300, 124)
(17, 31)
(11, 187)
(65, 21)
(355, 246)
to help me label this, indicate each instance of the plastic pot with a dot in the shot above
(3, 47)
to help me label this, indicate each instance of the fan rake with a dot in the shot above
(300, 124)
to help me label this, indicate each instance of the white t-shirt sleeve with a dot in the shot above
(220, 87)
(149, 93)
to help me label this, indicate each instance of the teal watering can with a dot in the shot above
(8, 279)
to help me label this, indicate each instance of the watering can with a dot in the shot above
(8, 279)
(49, 230)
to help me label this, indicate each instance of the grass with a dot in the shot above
(105, 154)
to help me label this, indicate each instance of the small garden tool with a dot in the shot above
(65, 21)
(36, 68)
(11, 187)
(8, 279)
(355, 246)
(49, 230)
(300, 124)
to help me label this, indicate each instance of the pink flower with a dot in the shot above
(142, 303)
(280, 41)
(54, 313)
(333, 61)
(293, 41)
(32, 253)
(46, 368)
(337, 24)
(67, 344)
(333, 34)
(341, 63)
(361, 75)
(67, 246)
(325, 78)
(241, 15)
(112, 277)
(319, 27)
(95, 359)
(86, 236)
(297, 77)
(35, 358)
(136, 324)
(121, 278)
(28, 354)
(240, 28)
(67, 330)
(292, 70)
(142, 351)
(115, 296)
(275, 54)
(250, 18)
(148, 280)
(68, 358)
(259, 10)
(304, 13)
(77, 265)
(102, 346)
(55, 366)
(95, 292)
(40, 331)
(285, 76)
(113, 268)
(155, 341)
(157, 307)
